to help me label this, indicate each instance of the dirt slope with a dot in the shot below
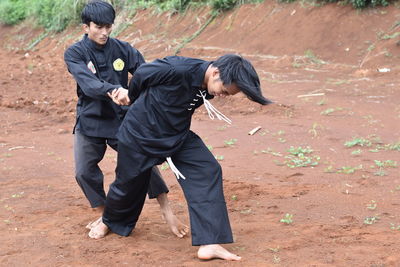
(319, 64)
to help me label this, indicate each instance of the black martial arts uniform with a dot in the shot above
(97, 71)
(157, 126)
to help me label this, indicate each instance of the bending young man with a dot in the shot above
(100, 65)
(157, 128)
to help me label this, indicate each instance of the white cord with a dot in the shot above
(177, 173)
(211, 110)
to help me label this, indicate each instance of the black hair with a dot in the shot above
(238, 70)
(100, 12)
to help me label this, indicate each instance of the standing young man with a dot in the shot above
(157, 128)
(100, 65)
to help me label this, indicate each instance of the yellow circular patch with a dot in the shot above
(118, 64)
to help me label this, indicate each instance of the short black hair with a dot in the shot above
(100, 12)
(238, 70)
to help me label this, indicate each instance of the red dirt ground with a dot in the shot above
(346, 209)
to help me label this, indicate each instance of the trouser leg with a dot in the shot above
(126, 196)
(157, 185)
(88, 152)
(203, 191)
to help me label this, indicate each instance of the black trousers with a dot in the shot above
(88, 152)
(202, 188)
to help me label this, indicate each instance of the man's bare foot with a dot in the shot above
(99, 231)
(99, 210)
(93, 224)
(176, 226)
(214, 251)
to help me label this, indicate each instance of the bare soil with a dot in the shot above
(325, 69)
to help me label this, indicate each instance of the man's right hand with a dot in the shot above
(120, 96)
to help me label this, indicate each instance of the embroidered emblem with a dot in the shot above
(118, 64)
(91, 67)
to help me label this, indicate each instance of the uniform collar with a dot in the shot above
(93, 45)
(199, 79)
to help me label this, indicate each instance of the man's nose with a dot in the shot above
(104, 31)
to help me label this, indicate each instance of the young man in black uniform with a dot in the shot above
(157, 128)
(100, 65)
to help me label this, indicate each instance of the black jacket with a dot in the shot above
(167, 91)
(98, 71)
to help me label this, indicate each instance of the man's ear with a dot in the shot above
(215, 73)
(85, 28)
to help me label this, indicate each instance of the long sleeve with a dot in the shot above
(136, 59)
(89, 83)
(147, 75)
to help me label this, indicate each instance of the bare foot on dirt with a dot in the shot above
(214, 251)
(93, 224)
(176, 226)
(99, 210)
(99, 231)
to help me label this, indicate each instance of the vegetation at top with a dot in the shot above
(56, 15)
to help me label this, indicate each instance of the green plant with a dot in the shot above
(219, 158)
(288, 219)
(330, 110)
(12, 11)
(329, 169)
(300, 157)
(358, 141)
(222, 5)
(309, 54)
(365, 3)
(349, 169)
(230, 142)
(372, 205)
(394, 227)
(386, 163)
(371, 219)
(321, 102)
(270, 151)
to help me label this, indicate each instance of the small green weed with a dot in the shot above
(329, 169)
(230, 142)
(358, 141)
(300, 157)
(270, 151)
(288, 219)
(390, 36)
(372, 205)
(309, 54)
(17, 195)
(330, 110)
(386, 163)
(371, 220)
(219, 158)
(349, 169)
(321, 102)
(394, 227)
